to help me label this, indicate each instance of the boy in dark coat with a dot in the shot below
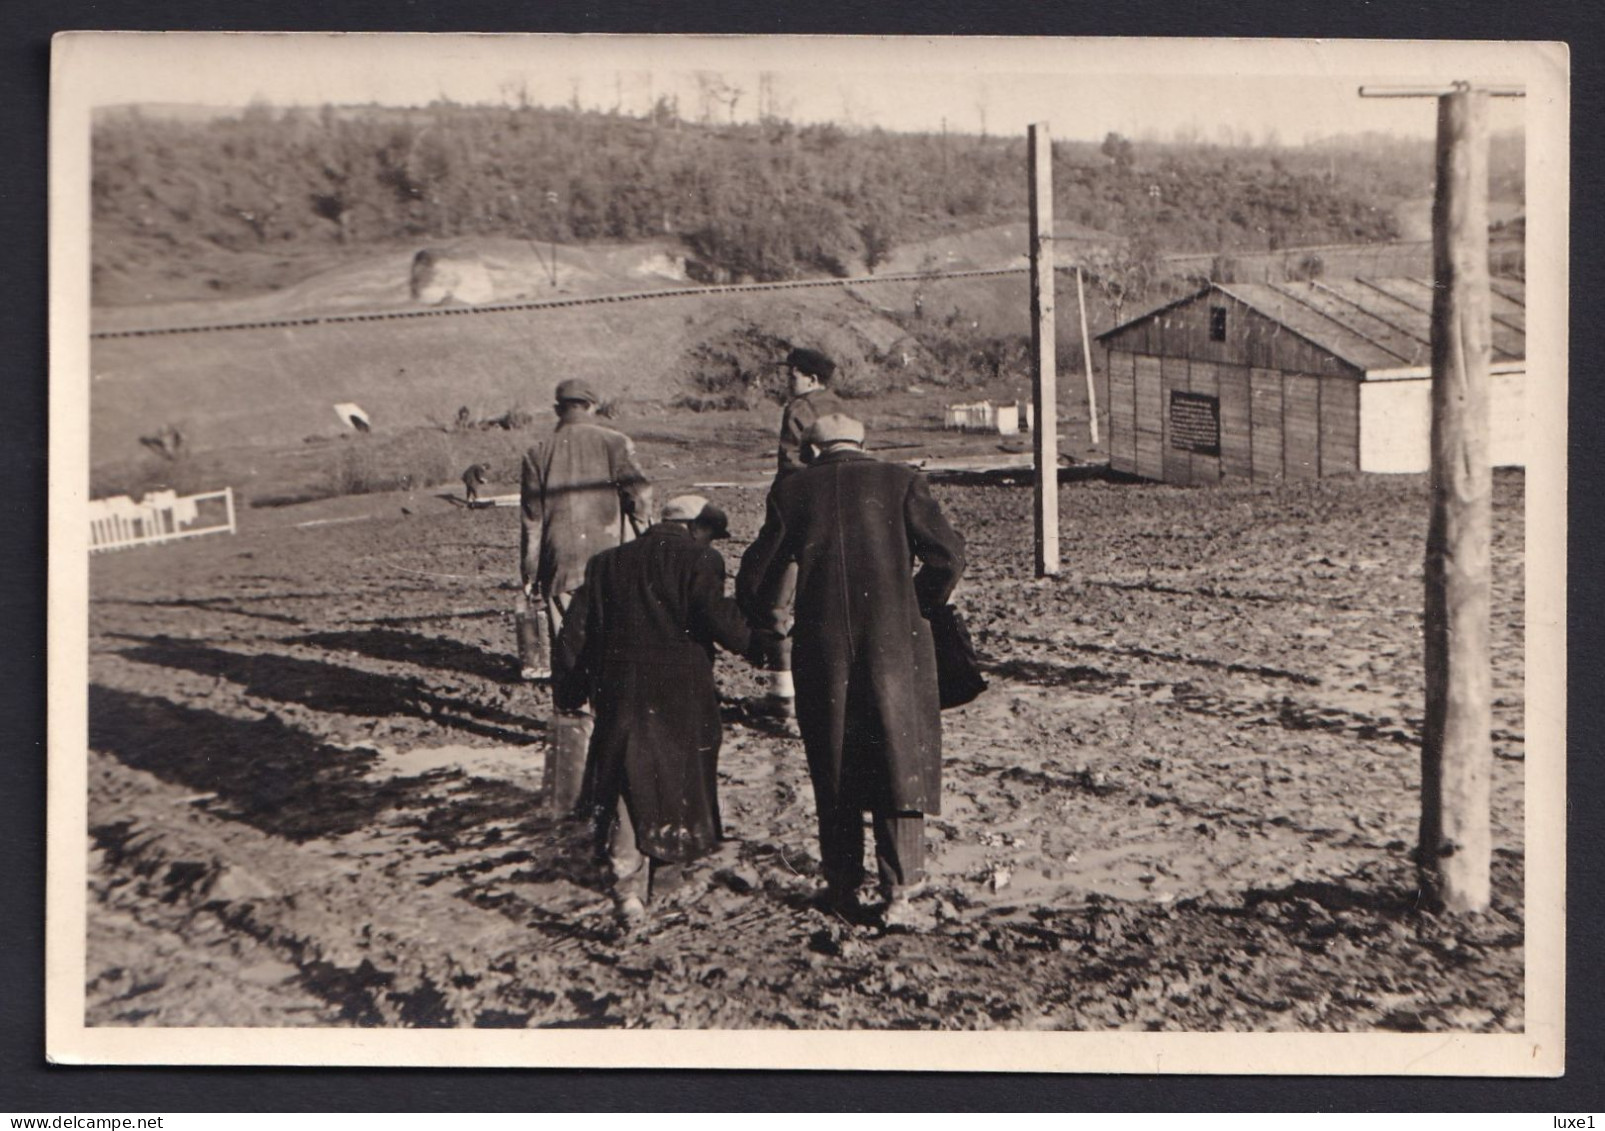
(863, 658)
(638, 644)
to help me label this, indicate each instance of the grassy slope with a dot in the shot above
(277, 386)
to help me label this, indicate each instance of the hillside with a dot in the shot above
(768, 201)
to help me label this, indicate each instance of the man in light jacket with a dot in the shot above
(582, 492)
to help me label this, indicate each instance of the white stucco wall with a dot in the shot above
(1396, 422)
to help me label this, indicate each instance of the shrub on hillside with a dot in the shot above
(732, 370)
(414, 460)
(958, 354)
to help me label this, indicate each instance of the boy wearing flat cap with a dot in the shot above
(638, 646)
(809, 374)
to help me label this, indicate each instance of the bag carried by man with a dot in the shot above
(958, 670)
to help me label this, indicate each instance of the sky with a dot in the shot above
(1288, 91)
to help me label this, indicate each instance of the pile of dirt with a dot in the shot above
(1187, 801)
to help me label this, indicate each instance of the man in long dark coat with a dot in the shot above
(638, 644)
(582, 491)
(863, 659)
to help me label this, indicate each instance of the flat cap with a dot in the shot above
(695, 508)
(811, 362)
(576, 389)
(834, 428)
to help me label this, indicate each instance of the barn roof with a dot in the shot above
(1372, 324)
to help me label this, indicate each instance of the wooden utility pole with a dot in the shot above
(1044, 387)
(1456, 749)
(1086, 357)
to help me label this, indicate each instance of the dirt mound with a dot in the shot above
(441, 275)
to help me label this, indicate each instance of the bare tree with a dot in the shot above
(710, 90)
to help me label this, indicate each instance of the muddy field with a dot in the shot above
(1187, 801)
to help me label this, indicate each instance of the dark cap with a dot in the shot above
(695, 508)
(715, 519)
(813, 363)
(576, 389)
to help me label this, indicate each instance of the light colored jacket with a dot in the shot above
(581, 492)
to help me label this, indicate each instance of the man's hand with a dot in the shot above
(764, 650)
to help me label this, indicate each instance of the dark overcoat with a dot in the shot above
(862, 658)
(638, 643)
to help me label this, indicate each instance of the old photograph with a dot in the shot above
(808, 552)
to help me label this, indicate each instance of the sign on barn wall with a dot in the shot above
(1194, 423)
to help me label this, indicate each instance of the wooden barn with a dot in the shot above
(1294, 380)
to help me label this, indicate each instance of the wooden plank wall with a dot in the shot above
(1340, 426)
(1177, 465)
(1121, 399)
(1236, 439)
(1301, 426)
(1287, 408)
(1272, 425)
(1150, 409)
(1265, 388)
(1204, 377)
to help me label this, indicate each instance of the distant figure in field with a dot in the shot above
(473, 480)
(581, 492)
(809, 374)
(638, 645)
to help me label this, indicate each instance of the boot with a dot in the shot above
(780, 705)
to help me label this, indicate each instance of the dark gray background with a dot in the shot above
(27, 1084)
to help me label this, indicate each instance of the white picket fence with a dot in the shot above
(984, 416)
(119, 522)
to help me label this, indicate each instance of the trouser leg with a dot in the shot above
(783, 616)
(841, 845)
(571, 733)
(534, 641)
(632, 870)
(899, 849)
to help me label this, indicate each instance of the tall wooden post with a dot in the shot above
(1086, 356)
(1044, 386)
(1456, 754)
